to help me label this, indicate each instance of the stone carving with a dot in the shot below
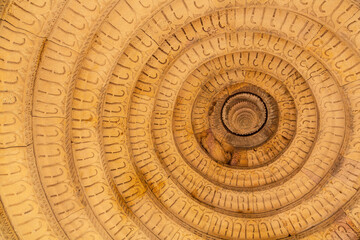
(179, 119)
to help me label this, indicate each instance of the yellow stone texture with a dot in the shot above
(115, 115)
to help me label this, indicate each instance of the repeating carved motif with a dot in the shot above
(115, 115)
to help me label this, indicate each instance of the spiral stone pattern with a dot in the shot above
(180, 119)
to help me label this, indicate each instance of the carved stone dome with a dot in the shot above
(179, 119)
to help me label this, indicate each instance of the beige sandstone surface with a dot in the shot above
(179, 119)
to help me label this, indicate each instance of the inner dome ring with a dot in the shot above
(243, 101)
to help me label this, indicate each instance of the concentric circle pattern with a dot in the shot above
(244, 114)
(180, 119)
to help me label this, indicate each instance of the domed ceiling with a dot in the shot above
(179, 119)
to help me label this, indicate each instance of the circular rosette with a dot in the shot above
(180, 119)
(244, 114)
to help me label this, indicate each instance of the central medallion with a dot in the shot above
(244, 114)
(241, 118)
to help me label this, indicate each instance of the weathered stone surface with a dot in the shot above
(179, 119)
